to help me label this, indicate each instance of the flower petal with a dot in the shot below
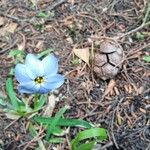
(43, 90)
(53, 82)
(29, 87)
(22, 89)
(34, 65)
(21, 74)
(50, 65)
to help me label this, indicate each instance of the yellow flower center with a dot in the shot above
(39, 80)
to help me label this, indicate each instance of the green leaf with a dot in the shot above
(98, 133)
(39, 26)
(11, 93)
(34, 133)
(42, 15)
(146, 58)
(15, 52)
(55, 121)
(139, 36)
(32, 130)
(63, 122)
(5, 105)
(87, 146)
(75, 61)
(45, 52)
(39, 103)
(11, 114)
(57, 131)
(56, 140)
(11, 72)
(2, 102)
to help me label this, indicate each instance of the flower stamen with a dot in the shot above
(39, 80)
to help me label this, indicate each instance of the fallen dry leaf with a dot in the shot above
(68, 20)
(130, 89)
(10, 28)
(48, 27)
(1, 21)
(50, 105)
(119, 119)
(116, 91)
(39, 46)
(126, 88)
(83, 54)
(21, 46)
(73, 73)
(140, 90)
(12, 116)
(71, 1)
(109, 87)
(143, 110)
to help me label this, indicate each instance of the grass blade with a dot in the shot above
(11, 93)
(39, 103)
(98, 133)
(45, 52)
(54, 121)
(34, 133)
(32, 130)
(64, 122)
(56, 140)
(86, 146)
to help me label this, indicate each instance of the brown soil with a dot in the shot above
(121, 105)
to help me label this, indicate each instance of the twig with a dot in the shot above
(114, 140)
(33, 140)
(148, 147)
(17, 19)
(133, 31)
(90, 17)
(11, 123)
(36, 138)
(113, 117)
(8, 48)
(107, 145)
(51, 7)
(144, 24)
(134, 51)
(12, 17)
(147, 13)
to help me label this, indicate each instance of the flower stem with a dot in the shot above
(36, 98)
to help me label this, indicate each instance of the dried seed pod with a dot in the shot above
(108, 59)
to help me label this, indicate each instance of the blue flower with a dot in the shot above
(38, 76)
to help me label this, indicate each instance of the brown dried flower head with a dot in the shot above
(108, 59)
